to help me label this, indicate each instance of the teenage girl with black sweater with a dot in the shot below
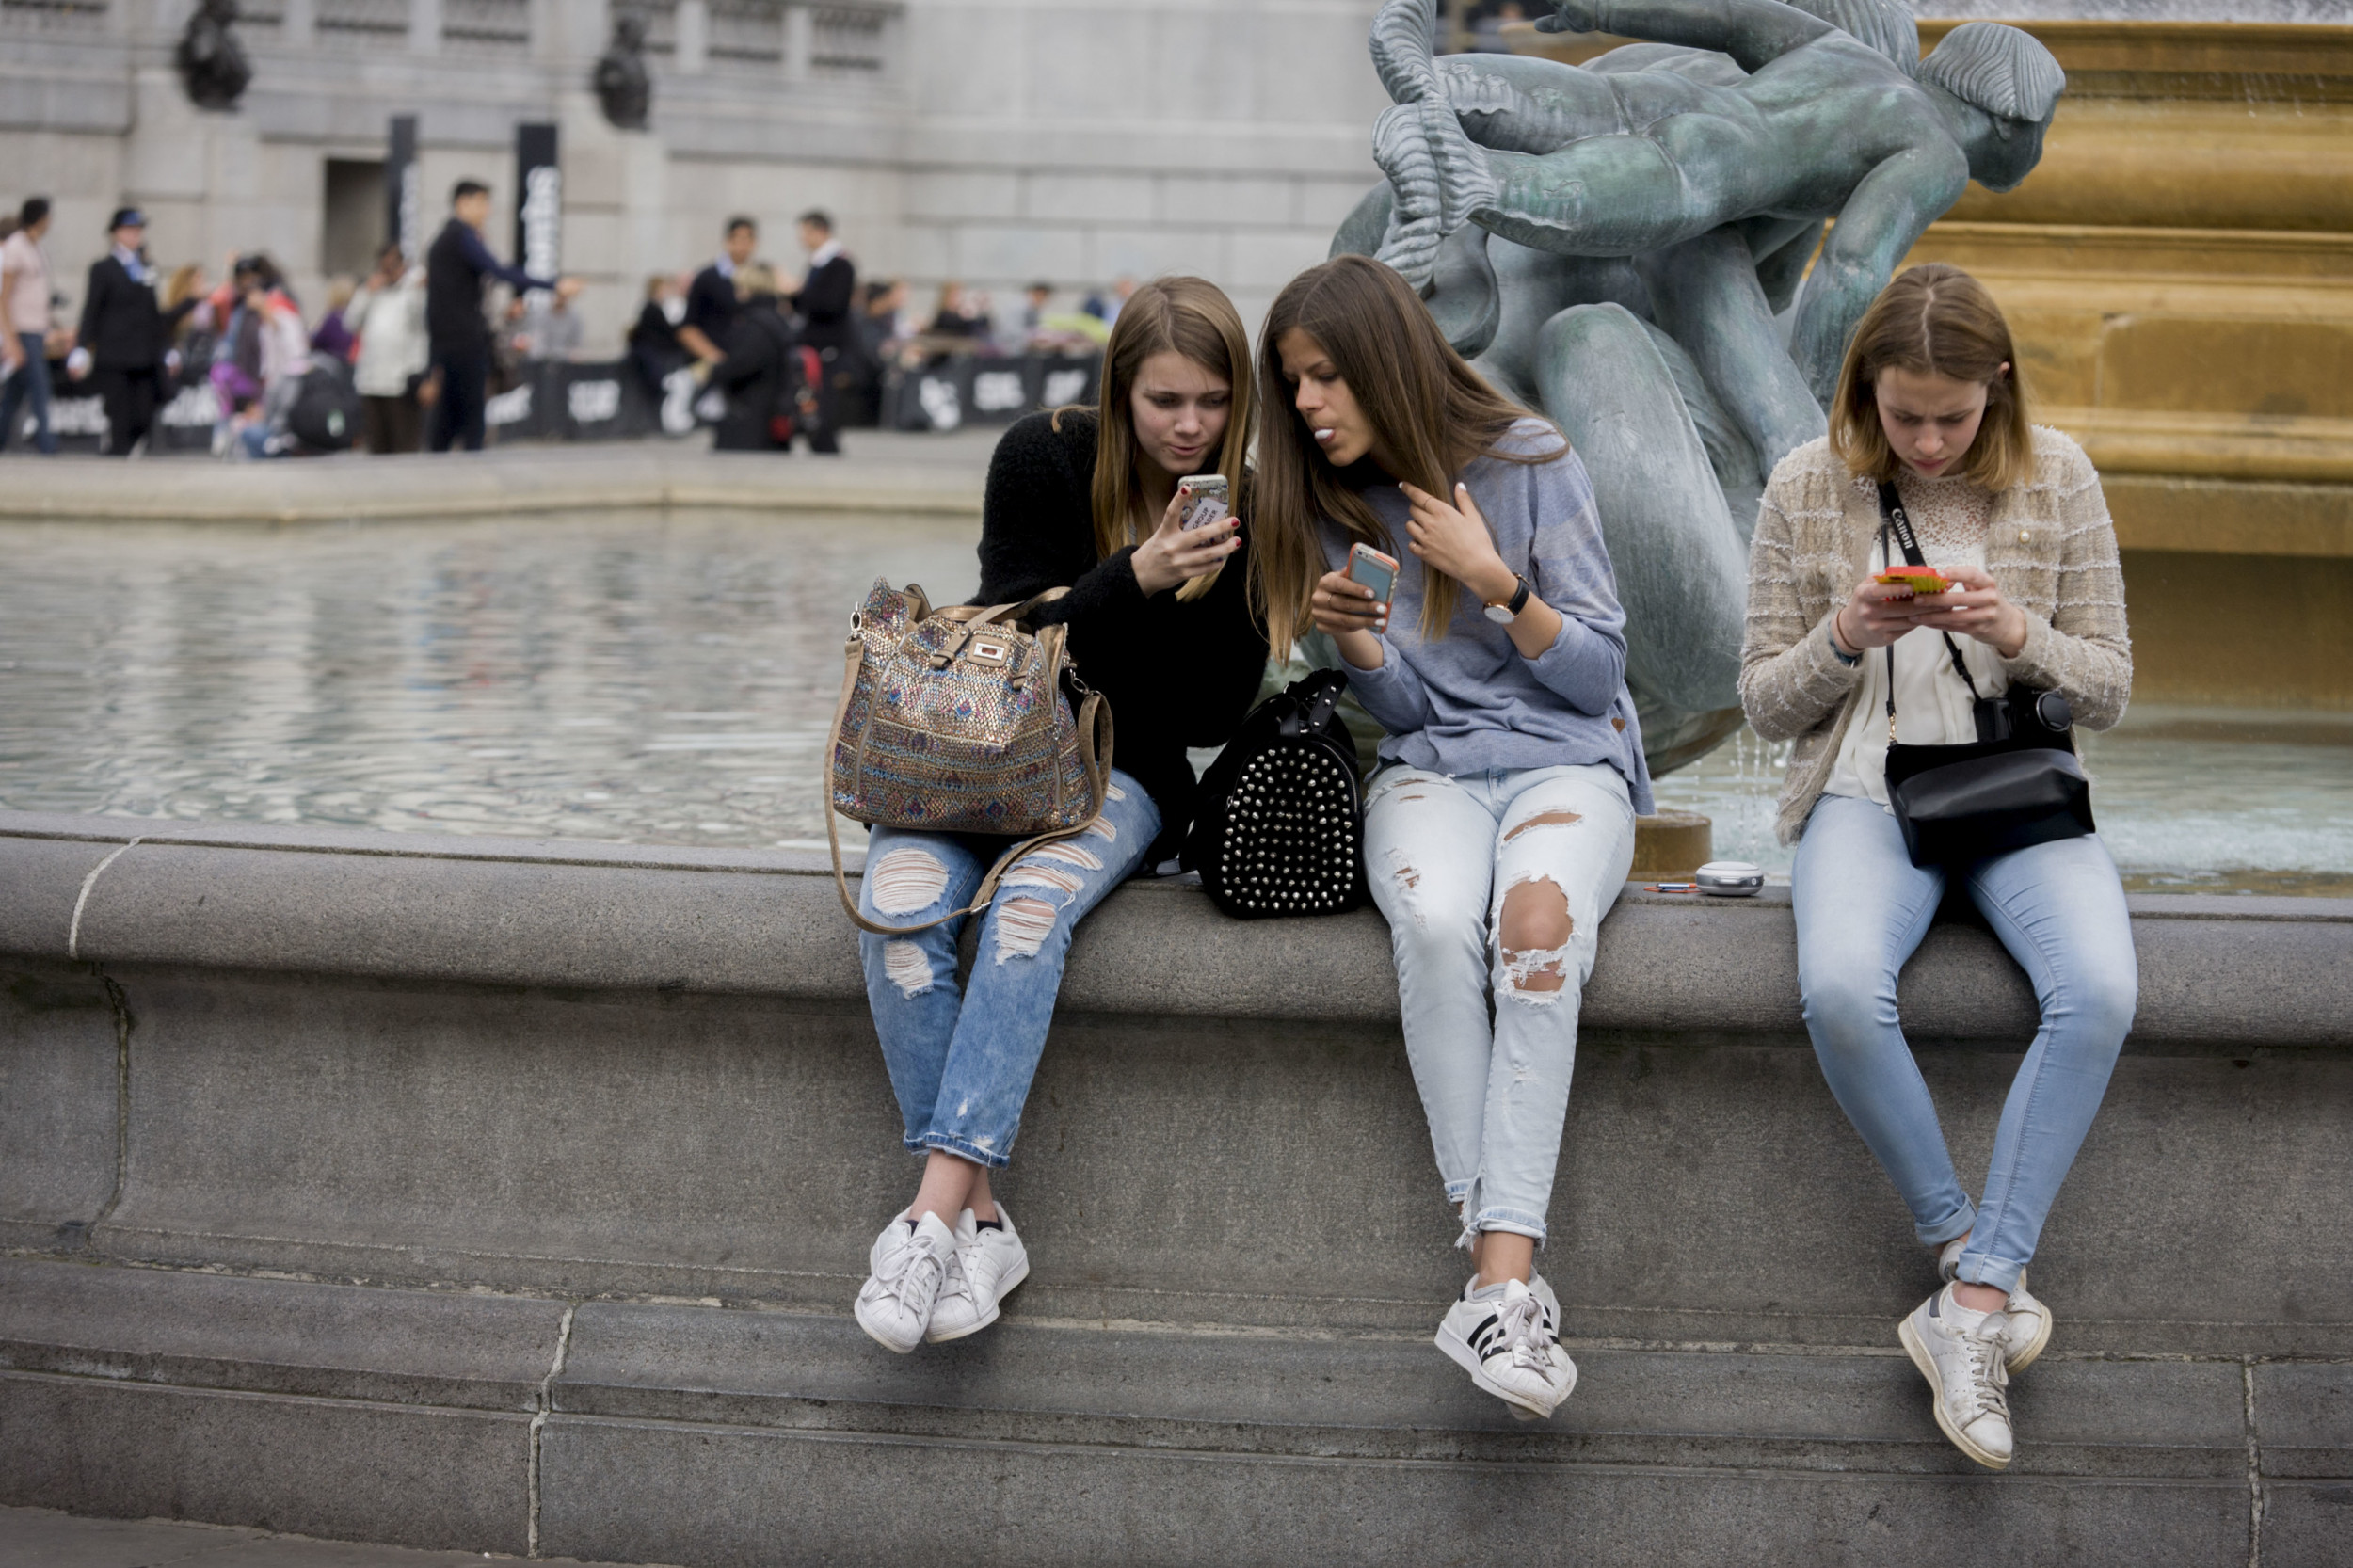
(1160, 623)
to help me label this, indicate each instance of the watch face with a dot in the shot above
(1500, 614)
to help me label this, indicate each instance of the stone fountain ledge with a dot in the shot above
(508, 1195)
(2216, 969)
(879, 472)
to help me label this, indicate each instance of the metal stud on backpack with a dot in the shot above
(1280, 830)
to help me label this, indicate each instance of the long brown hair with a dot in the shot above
(1190, 316)
(1934, 320)
(1430, 415)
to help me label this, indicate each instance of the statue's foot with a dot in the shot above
(1441, 179)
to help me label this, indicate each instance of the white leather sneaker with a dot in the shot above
(894, 1305)
(987, 1265)
(1962, 1354)
(1507, 1340)
(2029, 1330)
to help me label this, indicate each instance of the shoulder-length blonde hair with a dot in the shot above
(1934, 320)
(1190, 316)
(1430, 415)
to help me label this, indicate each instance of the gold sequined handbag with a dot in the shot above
(960, 720)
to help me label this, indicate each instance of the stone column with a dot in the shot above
(197, 175)
(693, 37)
(798, 32)
(614, 211)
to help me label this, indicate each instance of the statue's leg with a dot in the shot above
(1706, 294)
(1682, 573)
(1731, 456)
(1522, 103)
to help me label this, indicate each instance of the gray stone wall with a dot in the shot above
(2334, 12)
(1066, 139)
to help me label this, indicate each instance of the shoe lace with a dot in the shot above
(903, 1272)
(1520, 1324)
(1987, 1370)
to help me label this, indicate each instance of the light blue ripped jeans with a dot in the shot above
(1862, 909)
(961, 1055)
(1442, 853)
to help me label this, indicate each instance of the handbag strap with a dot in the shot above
(1094, 756)
(1892, 520)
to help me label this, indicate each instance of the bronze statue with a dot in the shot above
(1821, 126)
(212, 67)
(1668, 332)
(623, 85)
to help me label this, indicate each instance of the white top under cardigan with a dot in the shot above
(1932, 703)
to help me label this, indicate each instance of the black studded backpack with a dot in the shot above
(1281, 825)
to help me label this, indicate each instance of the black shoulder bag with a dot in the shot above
(1280, 830)
(2018, 784)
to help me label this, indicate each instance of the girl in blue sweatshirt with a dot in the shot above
(1500, 825)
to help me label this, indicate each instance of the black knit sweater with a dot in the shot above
(1175, 675)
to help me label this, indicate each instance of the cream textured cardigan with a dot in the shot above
(2049, 544)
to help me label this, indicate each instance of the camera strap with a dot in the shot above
(1892, 520)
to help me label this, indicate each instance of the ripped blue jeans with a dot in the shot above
(1491, 1052)
(961, 1055)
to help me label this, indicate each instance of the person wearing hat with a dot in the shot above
(125, 335)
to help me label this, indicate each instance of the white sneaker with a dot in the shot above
(1962, 1355)
(1507, 1340)
(909, 1265)
(986, 1266)
(2029, 1330)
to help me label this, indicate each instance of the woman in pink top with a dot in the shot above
(24, 326)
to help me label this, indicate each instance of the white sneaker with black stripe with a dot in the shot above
(2029, 1320)
(1963, 1353)
(1507, 1338)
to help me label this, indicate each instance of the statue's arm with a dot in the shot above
(1882, 221)
(1754, 32)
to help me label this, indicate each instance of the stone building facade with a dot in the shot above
(1072, 140)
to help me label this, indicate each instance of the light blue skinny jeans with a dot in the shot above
(1441, 852)
(1862, 908)
(29, 384)
(961, 1055)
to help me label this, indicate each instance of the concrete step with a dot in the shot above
(493, 1196)
(674, 1432)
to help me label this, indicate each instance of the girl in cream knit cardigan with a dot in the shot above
(1928, 398)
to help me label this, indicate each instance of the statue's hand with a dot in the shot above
(1572, 16)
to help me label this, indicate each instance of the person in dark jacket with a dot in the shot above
(125, 336)
(710, 297)
(827, 307)
(456, 267)
(758, 375)
(1159, 622)
(654, 349)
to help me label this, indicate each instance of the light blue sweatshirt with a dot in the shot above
(1470, 701)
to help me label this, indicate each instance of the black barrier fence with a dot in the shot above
(985, 389)
(609, 400)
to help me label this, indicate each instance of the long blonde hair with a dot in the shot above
(1934, 320)
(1190, 316)
(1430, 413)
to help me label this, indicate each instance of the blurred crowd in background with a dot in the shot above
(798, 350)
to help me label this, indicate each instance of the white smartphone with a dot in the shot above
(1207, 499)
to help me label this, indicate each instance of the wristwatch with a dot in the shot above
(1508, 611)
